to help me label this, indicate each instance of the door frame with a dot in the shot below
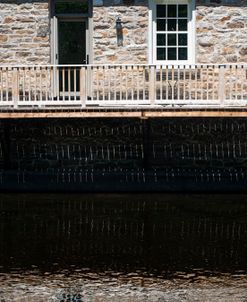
(88, 17)
(55, 41)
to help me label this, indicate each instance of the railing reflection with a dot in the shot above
(153, 233)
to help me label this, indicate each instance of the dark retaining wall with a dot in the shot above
(123, 154)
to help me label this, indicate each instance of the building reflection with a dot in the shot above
(154, 233)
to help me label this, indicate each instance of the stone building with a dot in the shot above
(123, 31)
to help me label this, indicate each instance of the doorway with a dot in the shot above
(72, 42)
(71, 50)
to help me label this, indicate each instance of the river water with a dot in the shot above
(120, 247)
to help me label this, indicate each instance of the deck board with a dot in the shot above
(121, 113)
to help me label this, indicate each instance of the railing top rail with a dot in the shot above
(228, 65)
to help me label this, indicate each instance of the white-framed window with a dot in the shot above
(172, 32)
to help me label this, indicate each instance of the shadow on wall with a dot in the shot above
(221, 2)
(141, 2)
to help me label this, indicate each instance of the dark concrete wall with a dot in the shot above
(123, 154)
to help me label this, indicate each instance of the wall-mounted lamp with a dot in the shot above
(119, 29)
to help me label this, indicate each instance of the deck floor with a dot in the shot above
(114, 112)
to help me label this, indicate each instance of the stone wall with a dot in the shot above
(134, 32)
(221, 28)
(220, 31)
(24, 32)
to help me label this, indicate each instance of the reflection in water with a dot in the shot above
(157, 233)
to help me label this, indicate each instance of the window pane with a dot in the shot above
(161, 39)
(161, 25)
(172, 39)
(182, 25)
(182, 11)
(182, 39)
(182, 54)
(172, 24)
(71, 8)
(161, 53)
(172, 10)
(161, 11)
(172, 53)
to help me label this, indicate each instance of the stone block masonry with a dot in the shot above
(221, 29)
(134, 32)
(24, 32)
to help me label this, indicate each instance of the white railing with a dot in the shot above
(123, 85)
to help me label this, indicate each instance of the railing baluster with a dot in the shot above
(152, 83)
(63, 82)
(214, 85)
(242, 83)
(7, 84)
(172, 84)
(15, 86)
(132, 82)
(69, 84)
(126, 83)
(121, 83)
(29, 84)
(1, 85)
(201, 83)
(98, 72)
(161, 83)
(35, 83)
(41, 86)
(109, 83)
(83, 85)
(144, 82)
(167, 82)
(137, 83)
(52, 84)
(75, 73)
(230, 84)
(207, 83)
(115, 78)
(23, 84)
(190, 81)
(221, 84)
(196, 83)
(103, 81)
(47, 79)
(236, 82)
(184, 81)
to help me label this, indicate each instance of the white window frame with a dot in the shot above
(152, 32)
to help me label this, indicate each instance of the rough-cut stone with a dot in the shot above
(243, 51)
(3, 38)
(222, 27)
(24, 26)
(206, 42)
(43, 31)
(134, 33)
(231, 58)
